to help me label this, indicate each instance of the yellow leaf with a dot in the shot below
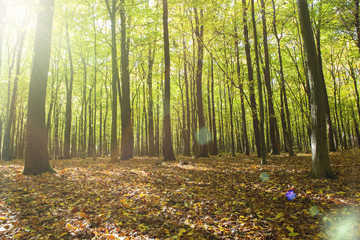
(279, 215)
(98, 199)
(291, 229)
(181, 231)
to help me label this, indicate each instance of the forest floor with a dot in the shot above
(209, 198)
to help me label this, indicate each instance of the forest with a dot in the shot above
(158, 119)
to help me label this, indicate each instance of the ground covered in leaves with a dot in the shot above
(211, 198)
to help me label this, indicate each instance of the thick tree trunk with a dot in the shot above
(319, 144)
(251, 81)
(127, 138)
(167, 142)
(36, 153)
(330, 130)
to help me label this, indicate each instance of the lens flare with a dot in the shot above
(290, 195)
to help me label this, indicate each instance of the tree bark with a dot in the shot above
(167, 142)
(251, 81)
(319, 145)
(115, 80)
(202, 131)
(36, 153)
(151, 102)
(261, 147)
(6, 153)
(272, 117)
(127, 138)
(288, 133)
(69, 88)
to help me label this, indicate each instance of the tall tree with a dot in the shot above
(288, 132)
(167, 142)
(127, 138)
(262, 144)
(202, 133)
(271, 111)
(115, 79)
(150, 101)
(251, 80)
(69, 90)
(6, 154)
(319, 144)
(36, 150)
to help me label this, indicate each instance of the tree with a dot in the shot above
(262, 144)
(202, 133)
(69, 88)
(115, 80)
(167, 142)
(127, 138)
(251, 81)
(319, 144)
(6, 154)
(36, 151)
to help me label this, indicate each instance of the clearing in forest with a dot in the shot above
(209, 198)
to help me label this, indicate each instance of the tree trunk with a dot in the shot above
(272, 117)
(187, 151)
(262, 145)
(214, 145)
(330, 130)
(319, 145)
(115, 80)
(202, 131)
(69, 88)
(288, 133)
(6, 154)
(36, 153)
(151, 102)
(127, 138)
(167, 142)
(251, 82)
(241, 88)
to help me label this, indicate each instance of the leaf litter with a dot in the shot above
(207, 198)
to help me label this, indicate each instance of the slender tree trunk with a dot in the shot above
(319, 145)
(151, 102)
(288, 133)
(215, 147)
(260, 143)
(167, 142)
(6, 153)
(36, 154)
(115, 80)
(187, 151)
(241, 88)
(202, 132)
(127, 138)
(69, 88)
(272, 117)
(251, 81)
